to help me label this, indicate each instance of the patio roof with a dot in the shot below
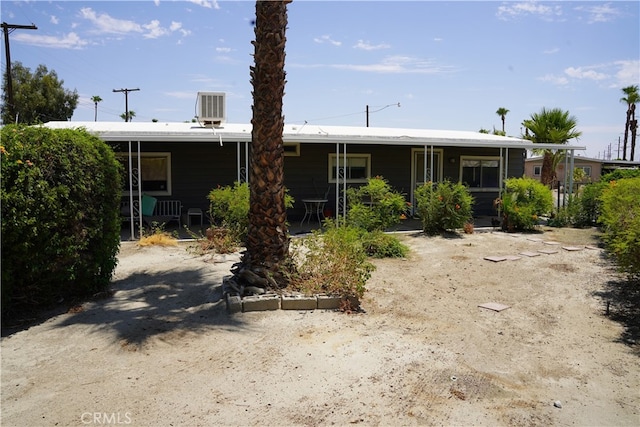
(232, 132)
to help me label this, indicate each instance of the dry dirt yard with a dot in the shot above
(163, 351)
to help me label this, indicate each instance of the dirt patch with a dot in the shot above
(163, 351)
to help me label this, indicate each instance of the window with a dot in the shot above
(586, 169)
(537, 170)
(155, 173)
(358, 167)
(481, 172)
(291, 149)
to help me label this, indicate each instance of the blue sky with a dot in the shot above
(450, 64)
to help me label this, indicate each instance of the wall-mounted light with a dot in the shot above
(452, 159)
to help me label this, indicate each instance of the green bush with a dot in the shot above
(620, 218)
(523, 202)
(333, 262)
(443, 206)
(60, 196)
(590, 196)
(378, 244)
(229, 209)
(375, 206)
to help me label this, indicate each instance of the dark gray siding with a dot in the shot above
(197, 168)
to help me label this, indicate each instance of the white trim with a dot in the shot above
(334, 162)
(142, 155)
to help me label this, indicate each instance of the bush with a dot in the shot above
(333, 262)
(60, 196)
(375, 206)
(443, 206)
(377, 244)
(523, 202)
(229, 208)
(621, 223)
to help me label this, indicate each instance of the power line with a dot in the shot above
(126, 101)
(8, 29)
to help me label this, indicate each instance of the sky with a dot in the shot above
(447, 64)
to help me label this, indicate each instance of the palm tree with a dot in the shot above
(95, 100)
(631, 99)
(502, 112)
(127, 117)
(267, 260)
(553, 126)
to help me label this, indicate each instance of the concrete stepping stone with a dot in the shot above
(530, 254)
(571, 248)
(548, 251)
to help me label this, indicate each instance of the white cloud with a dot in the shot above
(512, 10)
(551, 51)
(107, 24)
(327, 39)
(223, 49)
(154, 30)
(54, 20)
(390, 65)
(584, 73)
(556, 80)
(68, 41)
(206, 3)
(600, 12)
(367, 46)
(628, 72)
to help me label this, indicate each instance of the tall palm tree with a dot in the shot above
(95, 100)
(502, 112)
(631, 99)
(553, 126)
(267, 260)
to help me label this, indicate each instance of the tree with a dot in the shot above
(267, 260)
(502, 112)
(38, 97)
(131, 114)
(553, 126)
(95, 100)
(631, 99)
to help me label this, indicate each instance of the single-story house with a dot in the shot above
(593, 168)
(185, 161)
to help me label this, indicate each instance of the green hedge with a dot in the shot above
(620, 220)
(443, 206)
(60, 196)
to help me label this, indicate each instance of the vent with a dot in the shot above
(211, 108)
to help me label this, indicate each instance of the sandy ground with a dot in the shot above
(163, 351)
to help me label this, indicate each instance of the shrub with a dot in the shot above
(60, 196)
(229, 208)
(443, 206)
(621, 223)
(375, 206)
(378, 244)
(333, 262)
(523, 202)
(590, 197)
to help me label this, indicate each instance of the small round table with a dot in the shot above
(313, 207)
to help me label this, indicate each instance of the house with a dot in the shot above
(185, 161)
(593, 168)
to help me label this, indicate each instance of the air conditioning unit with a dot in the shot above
(211, 108)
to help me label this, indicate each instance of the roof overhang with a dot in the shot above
(310, 134)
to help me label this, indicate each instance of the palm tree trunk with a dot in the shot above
(626, 133)
(633, 127)
(547, 173)
(266, 260)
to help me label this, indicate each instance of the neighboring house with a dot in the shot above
(593, 168)
(185, 161)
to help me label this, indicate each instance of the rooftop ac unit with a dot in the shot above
(211, 108)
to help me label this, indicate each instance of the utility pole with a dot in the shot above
(126, 101)
(8, 29)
